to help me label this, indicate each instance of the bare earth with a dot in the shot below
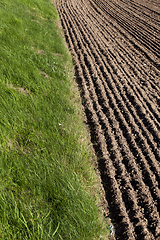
(116, 51)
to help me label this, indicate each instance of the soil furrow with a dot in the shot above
(133, 27)
(118, 81)
(138, 109)
(149, 104)
(146, 13)
(153, 7)
(149, 54)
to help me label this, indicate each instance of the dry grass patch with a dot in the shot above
(20, 89)
(45, 75)
(38, 51)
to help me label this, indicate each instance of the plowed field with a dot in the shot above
(115, 46)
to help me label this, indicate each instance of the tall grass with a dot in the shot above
(46, 176)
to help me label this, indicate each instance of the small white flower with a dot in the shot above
(111, 229)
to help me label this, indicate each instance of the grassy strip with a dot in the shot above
(46, 179)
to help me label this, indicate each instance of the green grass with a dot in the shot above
(46, 176)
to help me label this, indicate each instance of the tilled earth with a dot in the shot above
(115, 46)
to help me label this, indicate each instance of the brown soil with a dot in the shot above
(116, 51)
